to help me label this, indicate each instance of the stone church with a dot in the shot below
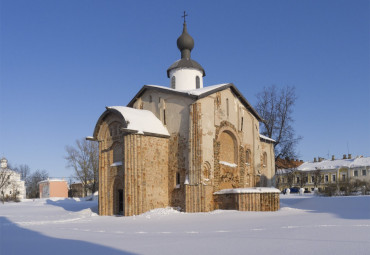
(188, 146)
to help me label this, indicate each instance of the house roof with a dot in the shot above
(136, 120)
(196, 94)
(335, 164)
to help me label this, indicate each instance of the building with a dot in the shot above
(53, 188)
(332, 171)
(77, 190)
(12, 186)
(188, 146)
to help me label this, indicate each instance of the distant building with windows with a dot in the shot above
(330, 171)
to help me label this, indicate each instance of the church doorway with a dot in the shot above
(120, 201)
(118, 196)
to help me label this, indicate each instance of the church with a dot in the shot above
(187, 146)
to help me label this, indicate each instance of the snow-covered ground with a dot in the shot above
(303, 225)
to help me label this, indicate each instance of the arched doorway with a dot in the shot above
(228, 160)
(118, 195)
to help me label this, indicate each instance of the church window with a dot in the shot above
(177, 180)
(197, 82)
(248, 157)
(228, 148)
(227, 107)
(164, 116)
(173, 82)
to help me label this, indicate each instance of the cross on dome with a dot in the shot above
(184, 16)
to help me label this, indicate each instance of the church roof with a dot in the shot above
(198, 94)
(137, 121)
(185, 63)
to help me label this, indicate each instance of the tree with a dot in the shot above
(5, 175)
(290, 177)
(32, 183)
(24, 171)
(276, 108)
(317, 177)
(84, 159)
(303, 178)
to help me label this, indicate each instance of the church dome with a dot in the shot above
(185, 42)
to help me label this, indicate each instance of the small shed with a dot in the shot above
(53, 188)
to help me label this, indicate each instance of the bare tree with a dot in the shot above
(5, 175)
(84, 159)
(24, 170)
(317, 177)
(32, 183)
(290, 177)
(303, 178)
(276, 108)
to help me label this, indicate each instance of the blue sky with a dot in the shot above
(62, 62)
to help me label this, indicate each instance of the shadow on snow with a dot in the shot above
(72, 205)
(355, 207)
(16, 240)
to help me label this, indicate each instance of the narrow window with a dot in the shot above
(164, 116)
(150, 99)
(173, 82)
(197, 82)
(227, 107)
(355, 173)
(333, 177)
(248, 157)
(297, 179)
(326, 178)
(241, 124)
(312, 178)
(343, 177)
(177, 180)
(364, 172)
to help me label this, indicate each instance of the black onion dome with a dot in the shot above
(185, 43)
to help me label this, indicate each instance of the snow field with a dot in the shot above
(303, 225)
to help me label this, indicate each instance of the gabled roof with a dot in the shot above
(136, 121)
(196, 94)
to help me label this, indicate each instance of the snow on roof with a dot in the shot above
(142, 121)
(194, 92)
(335, 164)
(52, 180)
(267, 138)
(248, 190)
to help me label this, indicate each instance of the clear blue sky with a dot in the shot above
(62, 62)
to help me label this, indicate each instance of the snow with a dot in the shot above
(118, 163)
(267, 138)
(335, 164)
(228, 164)
(141, 121)
(248, 190)
(304, 225)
